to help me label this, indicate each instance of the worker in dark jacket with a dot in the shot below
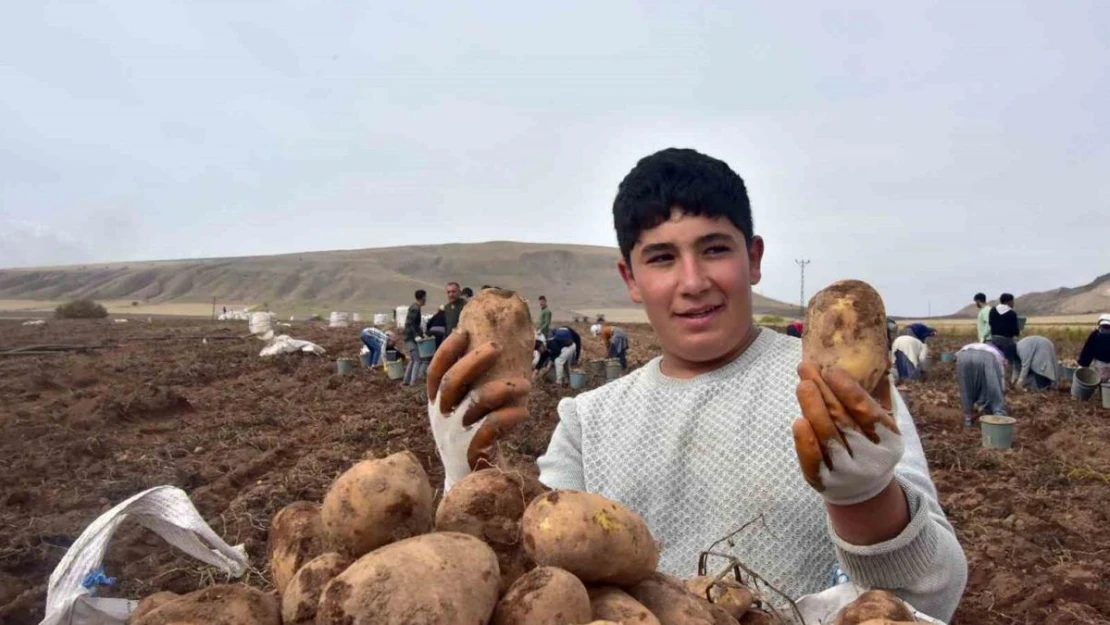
(1004, 329)
(1096, 351)
(453, 308)
(413, 330)
(560, 351)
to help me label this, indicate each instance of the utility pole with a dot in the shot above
(802, 302)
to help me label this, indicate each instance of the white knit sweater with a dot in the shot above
(698, 458)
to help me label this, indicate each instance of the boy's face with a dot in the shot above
(694, 276)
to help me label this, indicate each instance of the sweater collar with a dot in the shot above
(742, 362)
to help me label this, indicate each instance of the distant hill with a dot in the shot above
(576, 279)
(1089, 298)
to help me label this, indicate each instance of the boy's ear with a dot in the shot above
(755, 259)
(629, 281)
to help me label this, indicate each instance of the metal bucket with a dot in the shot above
(395, 369)
(426, 347)
(947, 357)
(577, 379)
(345, 365)
(998, 431)
(612, 368)
(1084, 383)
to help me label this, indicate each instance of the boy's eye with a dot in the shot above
(718, 249)
(659, 258)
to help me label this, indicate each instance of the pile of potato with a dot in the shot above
(499, 549)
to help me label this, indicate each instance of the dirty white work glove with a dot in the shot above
(847, 440)
(467, 422)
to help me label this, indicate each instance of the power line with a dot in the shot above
(802, 300)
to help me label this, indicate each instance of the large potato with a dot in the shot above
(230, 604)
(598, 540)
(302, 595)
(846, 326)
(377, 502)
(544, 596)
(672, 604)
(443, 578)
(489, 504)
(732, 596)
(500, 315)
(756, 616)
(613, 604)
(874, 604)
(296, 536)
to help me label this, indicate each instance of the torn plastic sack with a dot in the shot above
(285, 344)
(167, 511)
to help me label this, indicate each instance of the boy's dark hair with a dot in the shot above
(698, 184)
(420, 294)
(980, 297)
(467, 291)
(1006, 299)
(543, 297)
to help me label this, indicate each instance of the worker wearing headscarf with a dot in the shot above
(616, 342)
(1096, 351)
(981, 374)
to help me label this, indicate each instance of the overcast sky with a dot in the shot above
(933, 149)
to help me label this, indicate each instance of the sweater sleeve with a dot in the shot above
(1087, 354)
(561, 466)
(925, 564)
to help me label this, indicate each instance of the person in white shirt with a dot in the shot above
(723, 427)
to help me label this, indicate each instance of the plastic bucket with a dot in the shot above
(998, 431)
(596, 367)
(1105, 395)
(947, 357)
(577, 379)
(612, 368)
(1084, 383)
(395, 369)
(365, 359)
(551, 374)
(345, 365)
(426, 348)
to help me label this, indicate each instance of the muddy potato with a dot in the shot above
(150, 602)
(613, 604)
(500, 315)
(302, 594)
(672, 604)
(598, 540)
(874, 604)
(377, 502)
(229, 604)
(846, 326)
(544, 596)
(489, 504)
(296, 536)
(732, 596)
(443, 578)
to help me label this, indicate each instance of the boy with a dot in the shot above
(698, 440)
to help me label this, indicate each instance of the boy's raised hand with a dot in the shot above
(847, 441)
(467, 422)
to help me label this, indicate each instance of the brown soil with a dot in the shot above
(246, 436)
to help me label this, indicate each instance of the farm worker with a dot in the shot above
(981, 374)
(983, 321)
(437, 326)
(544, 327)
(699, 439)
(562, 349)
(377, 342)
(1038, 363)
(1096, 351)
(595, 329)
(616, 343)
(909, 351)
(568, 332)
(413, 330)
(453, 308)
(1003, 321)
(795, 329)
